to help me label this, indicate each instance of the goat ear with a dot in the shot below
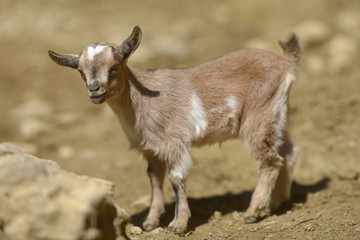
(67, 60)
(131, 43)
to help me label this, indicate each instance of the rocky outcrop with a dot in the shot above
(39, 200)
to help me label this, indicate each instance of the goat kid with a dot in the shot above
(164, 112)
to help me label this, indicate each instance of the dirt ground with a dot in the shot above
(45, 109)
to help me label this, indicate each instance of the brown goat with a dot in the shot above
(164, 112)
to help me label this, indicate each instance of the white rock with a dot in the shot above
(157, 231)
(341, 50)
(315, 64)
(32, 127)
(312, 31)
(65, 152)
(217, 215)
(236, 215)
(348, 20)
(135, 230)
(32, 108)
(39, 200)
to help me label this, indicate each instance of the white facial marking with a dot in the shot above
(232, 103)
(92, 51)
(198, 119)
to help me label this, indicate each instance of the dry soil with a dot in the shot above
(45, 109)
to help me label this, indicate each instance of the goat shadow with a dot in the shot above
(203, 208)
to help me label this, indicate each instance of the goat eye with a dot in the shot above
(114, 69)
(82, 75)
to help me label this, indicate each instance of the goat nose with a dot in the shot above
(94, 85)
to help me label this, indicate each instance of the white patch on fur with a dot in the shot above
(280, 108)
(181, 170)
(177, 173)
(217, 110)
(92, 51)
(290, 78)
(232, 103)
(197, 119)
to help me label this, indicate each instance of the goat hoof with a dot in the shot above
(178, 226)
(177, 230)
(250, 220)
(149, 227)
(268, 210)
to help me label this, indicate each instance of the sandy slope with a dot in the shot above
(60, 123)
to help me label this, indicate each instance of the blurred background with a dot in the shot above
(45, 110)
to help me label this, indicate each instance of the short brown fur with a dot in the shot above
(164, 112)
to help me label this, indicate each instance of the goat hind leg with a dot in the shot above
(264, 149)
(282, 188)
(261, 198)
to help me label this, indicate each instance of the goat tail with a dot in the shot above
(292, 49)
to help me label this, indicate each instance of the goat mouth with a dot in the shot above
(98, 98)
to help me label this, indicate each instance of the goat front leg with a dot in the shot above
(178, 170)
(156, 172)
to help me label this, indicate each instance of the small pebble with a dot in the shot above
(316, 64)
(341, 51)
(32, 107)
(309, 228)
(348, 20)
(188, 233)
(135, 230)
(217, 215)
(157, 230)
(236, 215)
(253, 229)
(32, 127)
(65, 152)
(312, 31)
